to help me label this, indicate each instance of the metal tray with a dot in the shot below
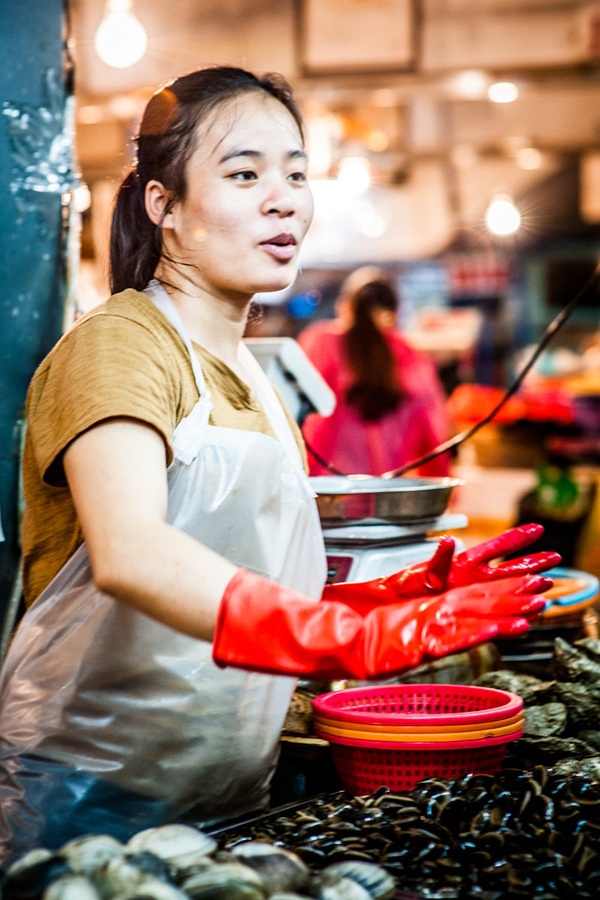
(341, 499)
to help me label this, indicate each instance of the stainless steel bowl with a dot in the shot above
(342, 499)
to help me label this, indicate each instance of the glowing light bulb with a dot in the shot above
(354, 172)
(82, 197)
(502, 216)
(503, 92)
(121, 38)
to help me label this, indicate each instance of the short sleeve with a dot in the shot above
(107, 366)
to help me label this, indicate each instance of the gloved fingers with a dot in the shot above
(429, 577)
(521, 605)
(507, 542)
(442, 638)
(487, 591)
(438, 567)
(537, 562)
(533, 584)
(512, 627)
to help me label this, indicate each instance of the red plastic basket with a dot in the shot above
(376, 739)
(449, 746)
(418, 704)
(363, 769)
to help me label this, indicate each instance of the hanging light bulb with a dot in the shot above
(502, 216)
(503, 92)
(121, 38)
(354, 172)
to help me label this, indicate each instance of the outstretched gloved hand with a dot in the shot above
(444, 570)
(268, 628)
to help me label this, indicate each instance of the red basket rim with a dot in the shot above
(324, 722)
(421, 745)
(332, 704)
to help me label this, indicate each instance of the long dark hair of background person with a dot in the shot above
(375, 390)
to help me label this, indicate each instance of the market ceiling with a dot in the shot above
(418, 109)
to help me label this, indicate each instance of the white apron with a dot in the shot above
(119, 701)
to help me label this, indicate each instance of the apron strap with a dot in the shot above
(162, 301)
(268, 398)
(271, 405)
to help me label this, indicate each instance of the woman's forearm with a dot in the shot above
(117, 477)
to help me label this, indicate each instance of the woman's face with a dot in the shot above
(248, 205)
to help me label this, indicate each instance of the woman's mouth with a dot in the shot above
(281, 247)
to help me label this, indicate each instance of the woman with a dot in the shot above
(171, 541)
(390, 404)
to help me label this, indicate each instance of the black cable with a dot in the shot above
(458, 439)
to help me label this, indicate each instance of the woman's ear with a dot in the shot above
(156, 200)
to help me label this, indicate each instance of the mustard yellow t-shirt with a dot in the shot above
(122, 359)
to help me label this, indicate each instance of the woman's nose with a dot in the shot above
(280, 198)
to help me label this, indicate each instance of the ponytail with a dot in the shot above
(135, 242)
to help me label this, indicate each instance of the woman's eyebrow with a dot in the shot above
(256, 154)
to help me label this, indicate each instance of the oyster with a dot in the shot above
(549, 750)
(582, 702)
(591, 738)
(588, 767)
(279, 869)
(526, 686)
(578, 662)
(549, 719)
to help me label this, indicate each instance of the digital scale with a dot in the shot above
(360, 553)
(373, 527)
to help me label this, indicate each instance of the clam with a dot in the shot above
(181, 846)
(379, 883)
(225, 881)
(152, 889)
(28, 877)
(331, 886)
(86, 854)
(71, 887)
(32, 858)
(286, 895)
(123, 875)
(279, 869)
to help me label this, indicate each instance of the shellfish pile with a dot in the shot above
(482, 837)
(180, 862)
(562, 714)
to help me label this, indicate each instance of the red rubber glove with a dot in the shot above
(471, 565)
(443, 571)
(268, 628)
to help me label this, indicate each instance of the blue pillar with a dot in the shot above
(35, 173)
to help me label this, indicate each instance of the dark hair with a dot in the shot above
(165, 142)
(376, 389)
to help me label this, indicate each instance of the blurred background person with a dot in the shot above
(390, 403)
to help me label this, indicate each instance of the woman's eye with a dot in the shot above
(298, 176)
(246, 175)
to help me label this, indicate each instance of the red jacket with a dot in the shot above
(354, 446)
